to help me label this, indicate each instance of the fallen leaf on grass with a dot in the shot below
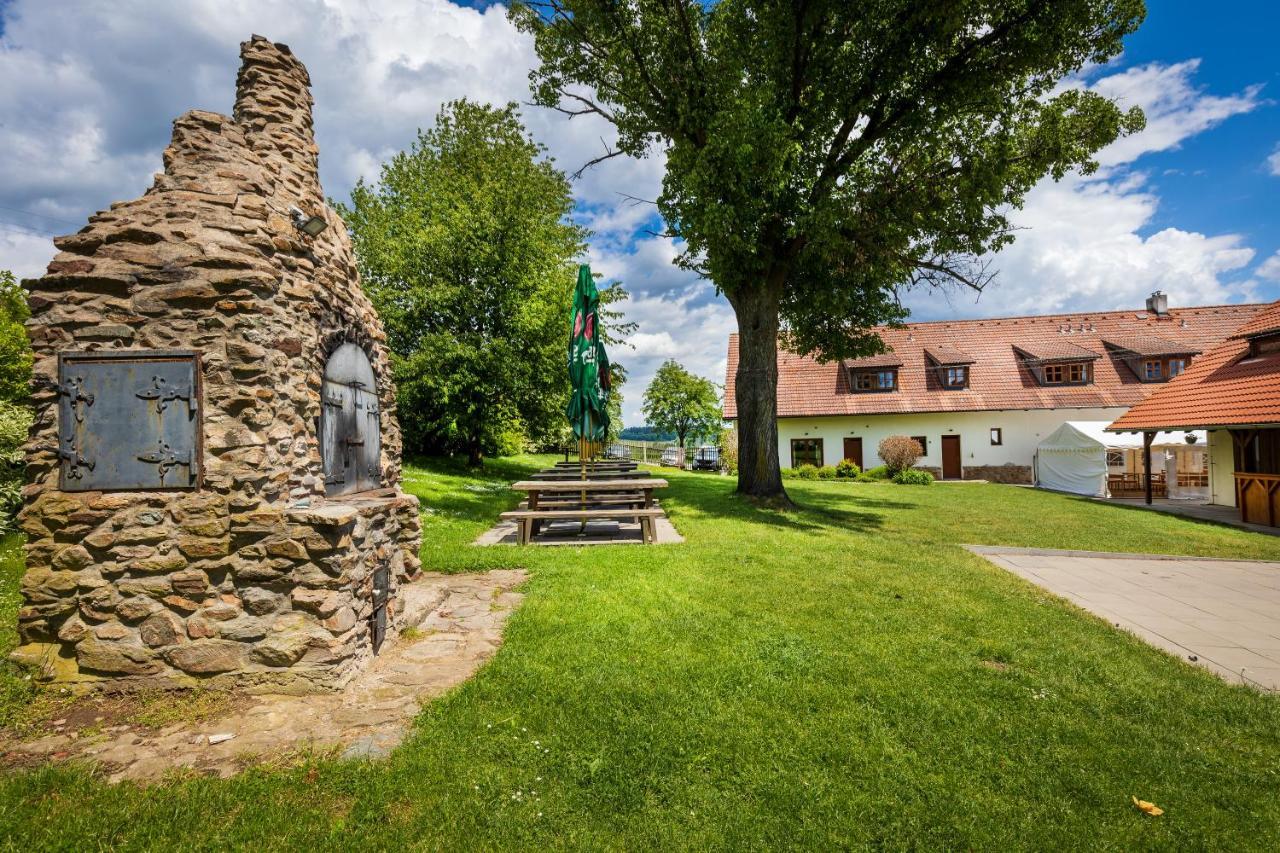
(1150, 808)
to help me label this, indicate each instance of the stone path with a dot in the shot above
(459, 621)
(1221, 614)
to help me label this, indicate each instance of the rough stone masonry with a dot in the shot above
(236, 569)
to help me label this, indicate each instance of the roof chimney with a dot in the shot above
(1158, 303)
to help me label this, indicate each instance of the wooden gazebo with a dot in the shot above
(1233, 388)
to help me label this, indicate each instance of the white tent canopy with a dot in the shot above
(1073, 458)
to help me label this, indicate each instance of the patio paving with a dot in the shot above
(1223, 615)
(1189, 509)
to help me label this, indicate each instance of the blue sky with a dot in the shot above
(1190, 206)
(1218, 181)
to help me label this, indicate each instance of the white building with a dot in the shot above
(982, 394)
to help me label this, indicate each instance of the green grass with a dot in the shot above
(843, 675)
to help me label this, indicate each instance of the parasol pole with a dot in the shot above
(582, 465)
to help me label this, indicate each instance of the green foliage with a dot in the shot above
(847, 468)
(900, 452)
(727, 441)
(15, 348)
(806, 472)
(788, 473)
(645, 433)
(466, 249)
(821, 156)
(874, 475)
(679, 402)
(827, 472)
(913, 477)
(15, 420)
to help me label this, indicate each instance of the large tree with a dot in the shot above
(466, 248)
(822, 154)
(15, 378)
(15, 349)
(678, 401)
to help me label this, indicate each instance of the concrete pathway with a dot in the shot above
(459, 621)
(1187, 509)
(1221, 614)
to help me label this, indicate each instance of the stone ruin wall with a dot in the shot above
(232, 580)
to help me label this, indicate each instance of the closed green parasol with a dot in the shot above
(588, 369)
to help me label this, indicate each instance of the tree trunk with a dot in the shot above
(756, 392)
(475, 452)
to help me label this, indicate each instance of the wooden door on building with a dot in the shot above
(951, 457)
(853, 451)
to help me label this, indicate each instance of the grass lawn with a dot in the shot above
(840, 675)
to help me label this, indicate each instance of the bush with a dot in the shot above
(827, 472)
(847, 469)
(788, 473)
(900, 452)
(874, 475)
(14, 421)
(913, 477)
(806, 472)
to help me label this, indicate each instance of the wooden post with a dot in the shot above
(1147, 438)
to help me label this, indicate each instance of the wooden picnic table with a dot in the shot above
(639, 488)
(576, 476)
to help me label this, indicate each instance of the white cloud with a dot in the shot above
(1175, 108)
(1273, 162)
(1270, 268)
(678, 316)
(90, 90)
(1088, 244)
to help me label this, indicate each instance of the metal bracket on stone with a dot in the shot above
(162, 392)
(71, 455)
(333, 402)
(164, 456)
(73, 389)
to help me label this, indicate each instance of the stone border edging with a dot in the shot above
(996, 550)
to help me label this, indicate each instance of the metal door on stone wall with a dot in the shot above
(129, 420)
(350, 423)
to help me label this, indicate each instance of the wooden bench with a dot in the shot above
(527, 517)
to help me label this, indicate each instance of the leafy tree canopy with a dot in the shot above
(466, 248)
(681, 403)
(823, 154)
(15, 348)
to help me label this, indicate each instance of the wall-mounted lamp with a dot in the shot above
(309, 225)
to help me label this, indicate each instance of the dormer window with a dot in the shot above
(950, 366)
(873, 373)
(1057, 362)
(1265, 344)
(1068, 373)
(875, 380)
(1153, 359)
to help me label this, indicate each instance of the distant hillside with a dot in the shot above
(645, 433)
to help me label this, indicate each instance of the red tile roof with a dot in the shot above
(1149, 345)
(1223, 387)
(1262, 322)
(1051, 350)
(869, 362)
(944, 355)
(999, 377)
